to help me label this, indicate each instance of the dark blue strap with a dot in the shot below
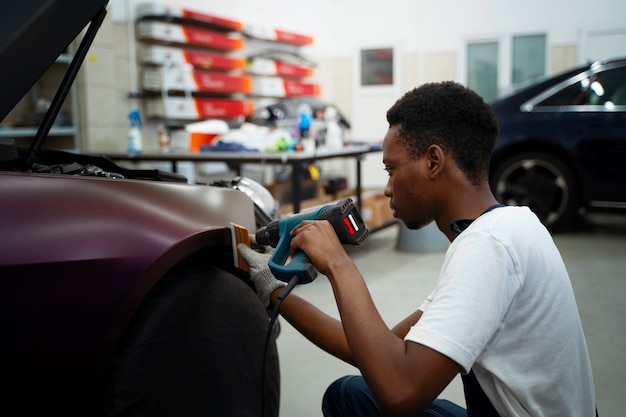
(458, 225)
(476, 401)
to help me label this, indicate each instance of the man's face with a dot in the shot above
(408, 183)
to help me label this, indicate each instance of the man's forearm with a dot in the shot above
(389, 366)
(321, 329)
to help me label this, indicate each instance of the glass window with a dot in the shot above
(529, 58)
(607, 88)
(482, 69)
(575, 94)
(377, 66)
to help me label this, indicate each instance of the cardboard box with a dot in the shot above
(188, 35)
(281, 87)
(198, 108)
(266, 66)
(282, 191)
(277, 35)
(184, 79)
(305, 205)
(162, 10)
(375, 210)
(162, 55)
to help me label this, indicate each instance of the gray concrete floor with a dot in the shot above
(400, 280)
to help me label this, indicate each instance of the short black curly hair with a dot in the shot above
(451, 116)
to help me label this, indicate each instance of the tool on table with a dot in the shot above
(342, 215)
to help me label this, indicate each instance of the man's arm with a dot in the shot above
(325, 331)
(405, 377)
(402, 328)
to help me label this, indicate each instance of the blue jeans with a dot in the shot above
(351, 397)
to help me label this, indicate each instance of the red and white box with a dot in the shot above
(277, 35)
(187, 35)
(181, 78)
(280, 87)
(266, 66)
(162, 10)
(184, 108)
(166, 55)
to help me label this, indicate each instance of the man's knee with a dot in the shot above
(351, 397)
(444, 408)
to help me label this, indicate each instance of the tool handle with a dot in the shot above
(300, 264)
(343, 216)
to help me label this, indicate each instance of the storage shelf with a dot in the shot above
(190, 71)
(61, 137)
(22, 132)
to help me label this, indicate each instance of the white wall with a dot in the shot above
(436, 25)
(429, 37)
(342, 27)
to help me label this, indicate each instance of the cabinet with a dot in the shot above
(23, 121)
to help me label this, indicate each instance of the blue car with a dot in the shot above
(562, 144)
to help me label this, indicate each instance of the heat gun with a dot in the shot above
(342, 215)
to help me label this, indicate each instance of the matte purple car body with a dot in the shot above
(79, 255)
(72, 246)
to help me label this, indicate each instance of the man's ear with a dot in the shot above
(435, 161)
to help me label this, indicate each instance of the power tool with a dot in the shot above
(342, 215)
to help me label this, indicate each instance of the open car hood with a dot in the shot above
(34, 33)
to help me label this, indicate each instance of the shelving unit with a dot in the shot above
(23, 121)
(196, 66)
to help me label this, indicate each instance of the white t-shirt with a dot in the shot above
(504, 307)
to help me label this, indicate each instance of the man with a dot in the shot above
(503, 313)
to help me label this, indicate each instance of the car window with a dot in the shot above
(606, 88)
(609, 88)
(575, 94)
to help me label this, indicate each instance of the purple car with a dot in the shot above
(120, 294)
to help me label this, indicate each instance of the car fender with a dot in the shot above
(78, 254)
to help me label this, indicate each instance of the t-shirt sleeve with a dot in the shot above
(465, 312)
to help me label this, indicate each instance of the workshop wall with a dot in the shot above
(429, 36)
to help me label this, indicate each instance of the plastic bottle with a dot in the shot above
(163, 135)
(334, 134)
(135, 142)
(305, 115)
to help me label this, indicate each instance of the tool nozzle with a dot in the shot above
(268, 235)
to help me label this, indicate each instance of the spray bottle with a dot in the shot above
(305, 116)
(135, 143)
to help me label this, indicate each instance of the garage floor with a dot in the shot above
(400, 280)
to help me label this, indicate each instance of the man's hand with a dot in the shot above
(260, 273)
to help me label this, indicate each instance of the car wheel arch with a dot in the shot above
(529, 146)
(158, 317)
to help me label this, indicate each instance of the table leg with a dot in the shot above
(358, 182)
(296, 186)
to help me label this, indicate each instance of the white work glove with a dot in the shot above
(260, 274)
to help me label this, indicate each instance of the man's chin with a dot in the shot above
(414, 225)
